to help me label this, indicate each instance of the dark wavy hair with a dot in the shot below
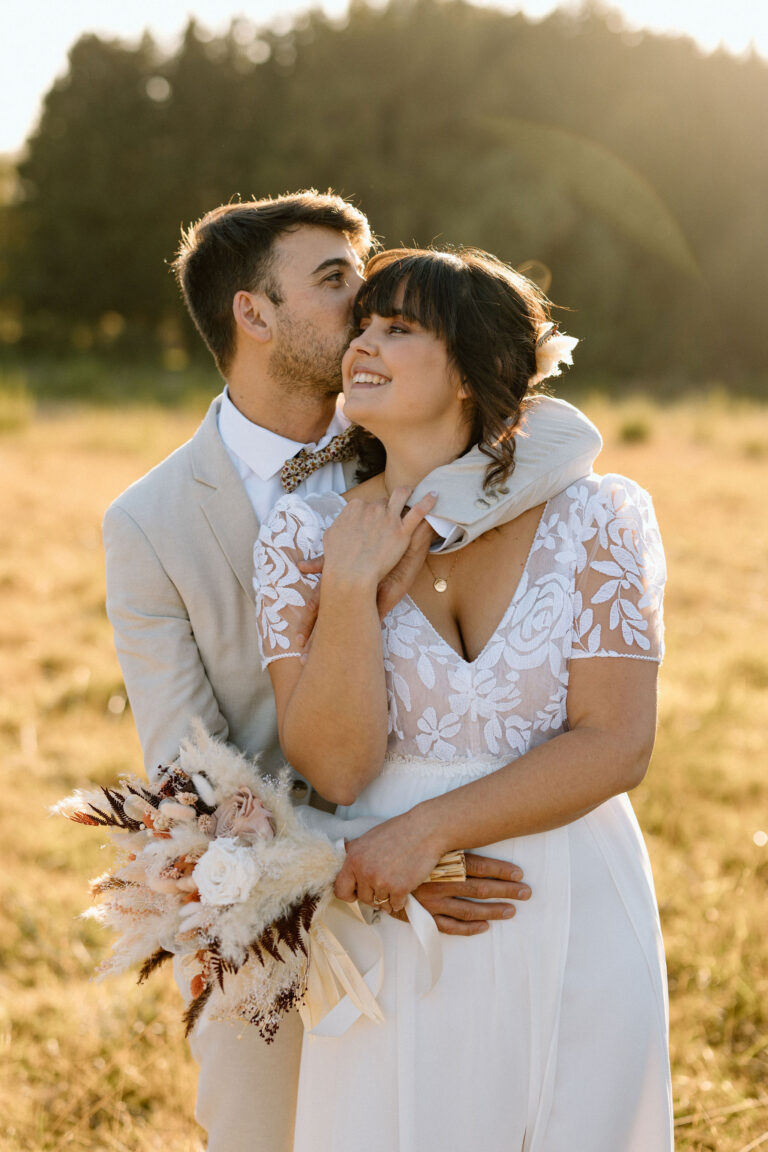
(489, 317)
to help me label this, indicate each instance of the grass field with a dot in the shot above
(104, 1066)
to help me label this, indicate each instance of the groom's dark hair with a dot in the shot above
(232, 249)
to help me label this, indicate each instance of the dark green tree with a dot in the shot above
(628, 167)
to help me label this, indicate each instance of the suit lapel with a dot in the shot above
(223, 499)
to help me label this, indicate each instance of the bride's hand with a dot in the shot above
(368, 539)
(386, 864)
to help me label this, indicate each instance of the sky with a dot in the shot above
(38, 33)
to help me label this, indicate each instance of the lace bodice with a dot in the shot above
(592, 587)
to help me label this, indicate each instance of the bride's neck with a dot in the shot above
(408, 464)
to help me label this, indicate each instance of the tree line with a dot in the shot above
(627, 173)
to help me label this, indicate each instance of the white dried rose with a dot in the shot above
(226, 873)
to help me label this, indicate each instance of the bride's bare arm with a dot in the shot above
(332, 709)
(612, 719)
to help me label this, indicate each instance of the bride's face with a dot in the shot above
(398, 374)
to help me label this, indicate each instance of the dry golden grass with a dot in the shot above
(104, 1067)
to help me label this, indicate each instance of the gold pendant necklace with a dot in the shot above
(439, 583)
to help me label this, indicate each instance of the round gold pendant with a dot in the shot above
(440, 584)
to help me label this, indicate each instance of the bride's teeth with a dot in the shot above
(368, 378)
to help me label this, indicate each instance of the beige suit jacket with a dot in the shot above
(179, 547)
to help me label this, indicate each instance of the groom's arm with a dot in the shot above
(164, 675)
(555, 445)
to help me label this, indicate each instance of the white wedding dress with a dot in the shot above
(548, 1033)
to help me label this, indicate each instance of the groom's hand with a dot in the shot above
(395, 584)
(453, 904)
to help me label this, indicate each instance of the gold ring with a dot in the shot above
(376, 902)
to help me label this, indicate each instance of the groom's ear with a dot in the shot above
(254, 315)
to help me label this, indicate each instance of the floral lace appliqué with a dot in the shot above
(592, 587)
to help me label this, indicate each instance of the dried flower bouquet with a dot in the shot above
(215, 865)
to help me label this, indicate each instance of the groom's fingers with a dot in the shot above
(478, 889)
(464, 908)
(463, 911)
(452, 927)
(492, 869)
(311, 567)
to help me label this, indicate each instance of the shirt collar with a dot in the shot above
(263, 451)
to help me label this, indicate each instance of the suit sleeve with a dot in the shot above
(555, 446)
(164, 676)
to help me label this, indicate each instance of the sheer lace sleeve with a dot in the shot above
(293, 532)
(620, 574)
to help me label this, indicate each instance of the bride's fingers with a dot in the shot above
(345, 887)
(416, 514)
(398, 499)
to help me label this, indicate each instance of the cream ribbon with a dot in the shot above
(341, 987)
(346, 966)
(346, 957)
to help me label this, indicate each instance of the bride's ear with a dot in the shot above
(254, 315)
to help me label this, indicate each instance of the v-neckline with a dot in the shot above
(505, 614)
(507, 610)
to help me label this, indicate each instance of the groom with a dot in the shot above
(270, 285)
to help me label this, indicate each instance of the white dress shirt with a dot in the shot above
(259, 455)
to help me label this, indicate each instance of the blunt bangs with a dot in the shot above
(433, 285)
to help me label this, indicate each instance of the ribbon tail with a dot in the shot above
(345, 971)
(347, 974)
(426, 933)
(322, 991)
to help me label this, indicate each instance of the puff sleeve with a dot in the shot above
(293, 532)
(620, 575)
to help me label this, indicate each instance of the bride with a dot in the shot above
(508, 702)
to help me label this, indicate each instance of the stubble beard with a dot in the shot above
(307, 360)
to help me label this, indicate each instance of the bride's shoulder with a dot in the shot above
(596, 501)
(609, 490)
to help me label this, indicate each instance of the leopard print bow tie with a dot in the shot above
(304, 463)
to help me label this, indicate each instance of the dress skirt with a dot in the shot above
(547, 1033)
